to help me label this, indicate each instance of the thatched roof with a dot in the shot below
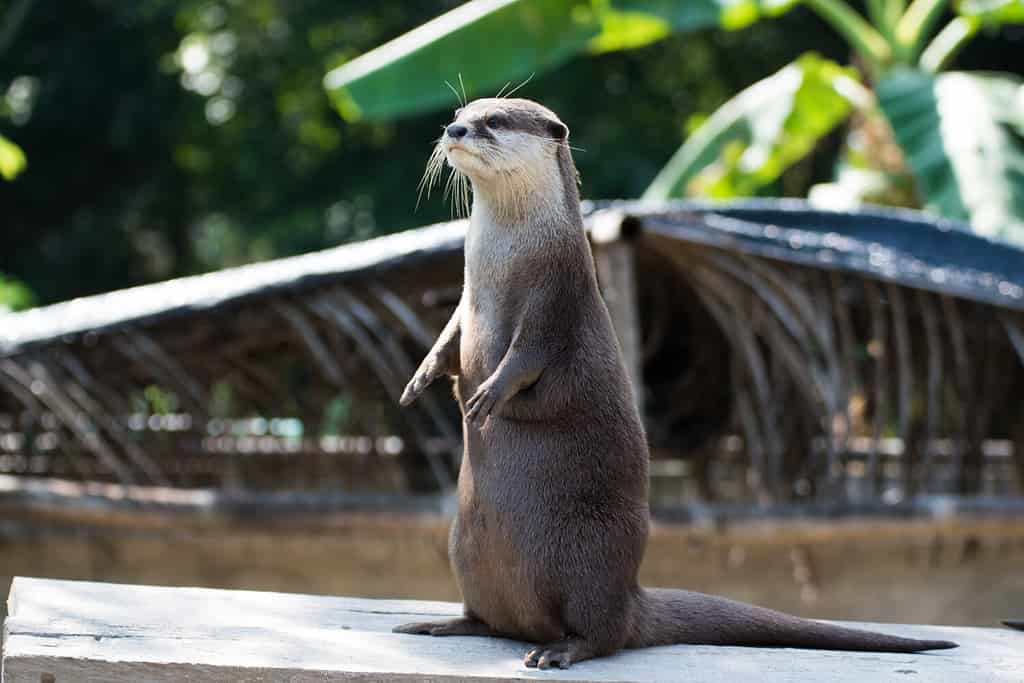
(891, 244)
(212, 291)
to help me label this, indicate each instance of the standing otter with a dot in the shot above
(552, 514)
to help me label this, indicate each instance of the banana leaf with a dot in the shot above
(486, 44)
(751, 139)
(993, 12)
(963, 137)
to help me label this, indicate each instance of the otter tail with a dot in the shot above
(667, 617)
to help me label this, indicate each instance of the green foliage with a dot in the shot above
(149, 163)
(993, 12)
(14, 295)
(751, 139)
(337, 415)
(963, 136)
(481, 44)
(626, 30)
(159, 401)
(12, 159)
(697, 14)
(169, 137)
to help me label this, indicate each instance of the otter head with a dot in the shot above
(513, 152)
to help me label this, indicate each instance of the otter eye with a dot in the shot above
(496, 121)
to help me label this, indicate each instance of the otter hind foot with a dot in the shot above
(463, 626)
(561, 654)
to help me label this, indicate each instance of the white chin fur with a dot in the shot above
(518, 173)
(465, 161)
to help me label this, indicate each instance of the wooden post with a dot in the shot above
(616, 271)
(79, 632)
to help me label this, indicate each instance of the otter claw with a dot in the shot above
(543, 658)
(412, 391)
(481, 405)
(423, 378)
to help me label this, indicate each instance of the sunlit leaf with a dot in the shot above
(751, 139)
(963, 136)
(624, 30)
(994, 12)
(14, 295)
(487, 42)
(696, 14)
(492, 42)
(12, 159)
(855, 186)
(870, 168)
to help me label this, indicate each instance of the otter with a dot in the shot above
(552, 517)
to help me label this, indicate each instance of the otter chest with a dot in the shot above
(490, 250)
(491, 295)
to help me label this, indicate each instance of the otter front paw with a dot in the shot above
(487, 399)
(424, 377)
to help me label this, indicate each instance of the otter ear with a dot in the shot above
(558, 130)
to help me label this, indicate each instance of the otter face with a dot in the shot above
(507, 147)
(492, 137)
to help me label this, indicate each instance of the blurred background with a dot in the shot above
(154, 140)
(172, 138)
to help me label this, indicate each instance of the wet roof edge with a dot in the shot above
(925, 253)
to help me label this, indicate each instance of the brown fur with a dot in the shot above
(552, 514)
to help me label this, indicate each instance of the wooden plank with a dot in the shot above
(67, 631)
(616, 270)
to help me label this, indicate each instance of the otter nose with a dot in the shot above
(456, 131)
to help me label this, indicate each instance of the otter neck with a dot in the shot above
(511, 201)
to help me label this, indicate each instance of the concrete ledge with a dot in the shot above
(67, 631)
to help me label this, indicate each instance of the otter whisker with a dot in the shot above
(425, 184)
(436, 154)
(457, 187)
(431, 173)
(462, 102)
(559, 143)
(528, 79)
(464, 194)
(502, 90)
(449, 183)
(463, 86)
(457, 195)
(435, 175)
